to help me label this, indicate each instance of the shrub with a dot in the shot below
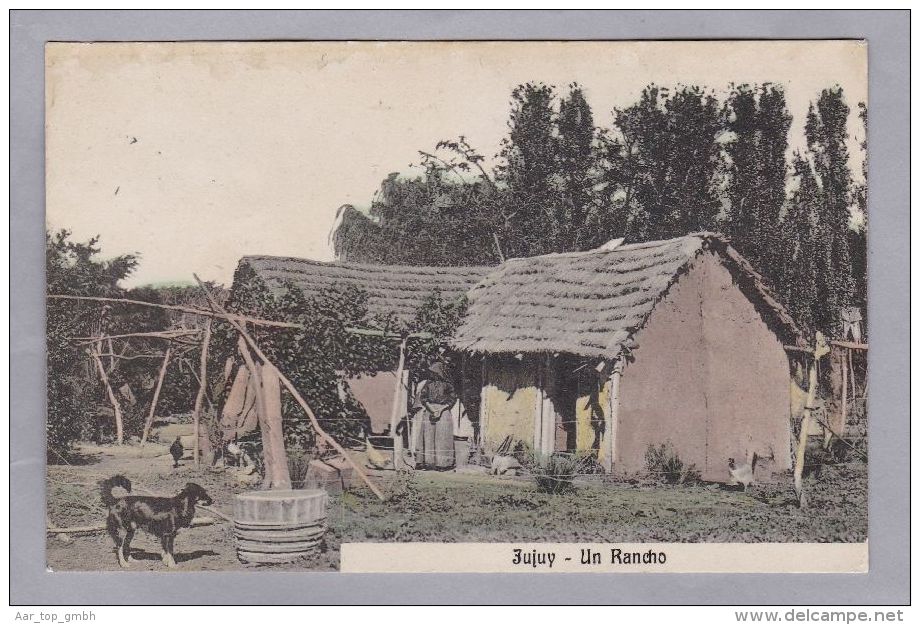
(298, 464)
(404, 491)
(556, 473)
(665, 465)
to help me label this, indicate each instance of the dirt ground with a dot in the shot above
(455, 507)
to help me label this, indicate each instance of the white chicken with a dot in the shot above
(376, 459)
(504, 464)
(742, 474)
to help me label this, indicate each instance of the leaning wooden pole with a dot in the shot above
(119, 421)
(255, 375)
(395, 415)
(821, 348)
(202, 388)
(156, 396)
(296, 395)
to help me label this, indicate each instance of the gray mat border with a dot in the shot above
(888, 581)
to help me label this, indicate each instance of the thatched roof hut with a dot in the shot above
(590, 303)
(392, 289)
(607, 352)
(613, 351)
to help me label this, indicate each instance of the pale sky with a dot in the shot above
(195, 154)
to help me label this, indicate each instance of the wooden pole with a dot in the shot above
(613, 399)
(293, 391)
(803, 433)
(256, 377)
(272, 428)
(156, 396)
(188, 309)
(202, 388)
(843, 395)
(119, 421)
(395, 413)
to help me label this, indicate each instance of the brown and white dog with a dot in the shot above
(160, 516)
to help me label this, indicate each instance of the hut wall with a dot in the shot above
(509, 399)
(748, 389)
(710, 379)
(663, 392)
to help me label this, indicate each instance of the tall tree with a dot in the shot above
(528, 170)
(860, 230)
(826, 135)
(673, 157)
(798, 283)
(74, 397)
(758, 122)
(576, 162)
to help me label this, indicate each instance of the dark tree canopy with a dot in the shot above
(676, 161)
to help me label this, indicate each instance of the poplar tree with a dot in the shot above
(798, 282)
(673, 157)
(527, 171)
(576, 163)
(759, 122)
(825, 134)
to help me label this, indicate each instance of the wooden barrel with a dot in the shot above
(278, 525)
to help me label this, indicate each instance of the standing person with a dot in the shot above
(433, 429)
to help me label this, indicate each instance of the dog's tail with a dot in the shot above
(106, 486)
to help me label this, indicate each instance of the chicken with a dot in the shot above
(375, 459)
(177, 451)
(742, 474)
(504, 464)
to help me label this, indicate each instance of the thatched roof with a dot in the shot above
(590, 303)
(392, 289)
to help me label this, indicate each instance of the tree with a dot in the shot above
(528, 172)
(672, 159)
(825, 134)
(798, 282)
(758, 123)
(576, 162)
(860, 230)
(74, 394)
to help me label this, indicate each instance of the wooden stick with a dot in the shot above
(111, 358)
(165, 334)
(803, 433)
(202, 384)
(188, 309)
(91, 529)
(254, 372)
(843, 395)
(394, 414)
(156, 397)
(300, 400)
(850, 345)
(119, 424)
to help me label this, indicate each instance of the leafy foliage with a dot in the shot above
(317, 356)
(74, 396)
(556, 473)
(676, 161)
(758, 123)
(665, 465)
(670, 156)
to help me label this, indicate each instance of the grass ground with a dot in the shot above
(454, 507)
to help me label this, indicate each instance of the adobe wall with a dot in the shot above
(509, 396)
(710, 379)
(748, 387)
(663, 391)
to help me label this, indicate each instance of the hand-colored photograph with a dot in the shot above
(308, 296)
